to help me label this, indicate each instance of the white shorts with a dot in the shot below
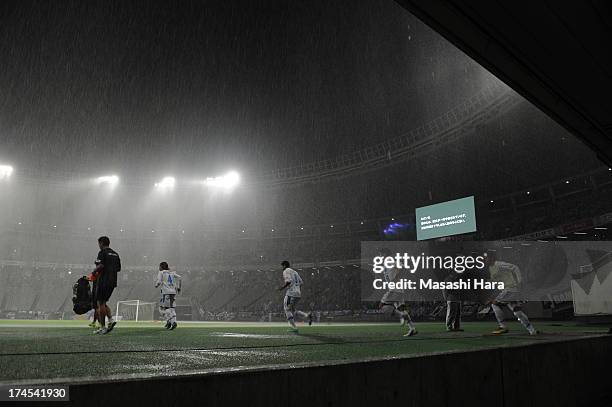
(508, 297)
(289, 302)
(167, 301)
(391, 297)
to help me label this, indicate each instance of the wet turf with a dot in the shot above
(68, 349)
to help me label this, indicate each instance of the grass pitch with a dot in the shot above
(67, 351)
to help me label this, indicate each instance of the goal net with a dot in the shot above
(135, 310)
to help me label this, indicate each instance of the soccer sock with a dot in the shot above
(408, 319)
(172, 315)
(499, 315)
(523, 319)
(102, 317)
(108, 314)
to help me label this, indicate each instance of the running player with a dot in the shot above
(170, 283)
(510, 275)
(393, 302)
(293, 282)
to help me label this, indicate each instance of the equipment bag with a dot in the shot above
(81, 296)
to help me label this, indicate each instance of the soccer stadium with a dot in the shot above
(305, 203)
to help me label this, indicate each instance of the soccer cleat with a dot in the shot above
(99, 331)
(310, 319)
(172, 327)
(500, 331)
(168, 324)
(110, 327)
(534, 331)
(411, 332)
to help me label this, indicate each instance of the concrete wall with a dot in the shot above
(569, 373)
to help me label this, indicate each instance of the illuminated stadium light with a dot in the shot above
(166, 182)
(227, 181)
(5, 171)
(108, 179)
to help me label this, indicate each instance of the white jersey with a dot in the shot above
(507, 273)
(391, 275)
(295, 281)
(169, 281)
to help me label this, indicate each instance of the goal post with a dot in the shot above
(135, 310)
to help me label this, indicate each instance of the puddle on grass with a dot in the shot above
(250, 336)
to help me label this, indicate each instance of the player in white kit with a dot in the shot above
(510, 275)
(393, 302)
(293, 283)
(170, 283)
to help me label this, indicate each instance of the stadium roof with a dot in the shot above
(555, 54)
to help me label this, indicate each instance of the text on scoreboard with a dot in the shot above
(446, 219)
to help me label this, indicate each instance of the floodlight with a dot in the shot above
(5, 171)
(166, 182)
(227, 181)
(108, 179)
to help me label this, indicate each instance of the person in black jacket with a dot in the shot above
(108, 264)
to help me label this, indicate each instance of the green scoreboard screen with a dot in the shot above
(446, 219)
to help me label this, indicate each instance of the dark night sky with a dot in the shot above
(199, 86)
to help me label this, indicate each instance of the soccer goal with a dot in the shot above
(135, 310)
